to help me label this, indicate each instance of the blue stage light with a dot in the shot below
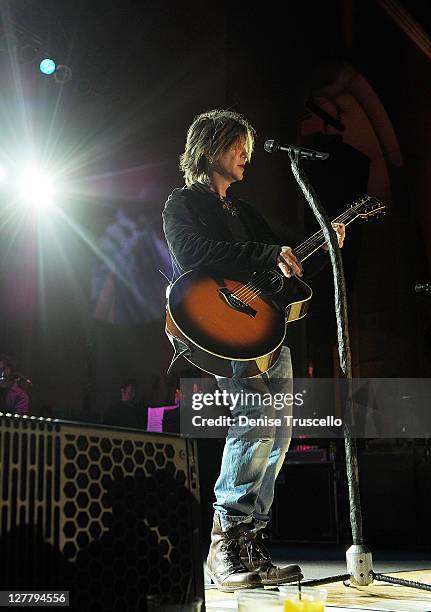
(47, 66)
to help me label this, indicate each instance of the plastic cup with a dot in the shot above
(255, 600)
(308, 599)
(154, 604)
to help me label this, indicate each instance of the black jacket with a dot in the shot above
(199, 237)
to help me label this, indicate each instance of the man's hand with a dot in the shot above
(340, 230)
(288, 263)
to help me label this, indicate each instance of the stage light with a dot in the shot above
(37, 188)
(47, 66)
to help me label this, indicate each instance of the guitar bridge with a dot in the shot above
(236, 303)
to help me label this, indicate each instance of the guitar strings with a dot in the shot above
(255, 286)
(315, 240)
(304, 251)
(252, 289)
(251, 286)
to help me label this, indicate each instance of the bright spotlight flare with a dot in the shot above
(271, 146)
(37, 188)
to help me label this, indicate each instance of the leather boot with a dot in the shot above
(256, 557)
(224, 563)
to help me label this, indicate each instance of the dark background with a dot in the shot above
(141, 72)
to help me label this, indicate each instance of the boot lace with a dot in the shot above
(231, 554)
(256, 551)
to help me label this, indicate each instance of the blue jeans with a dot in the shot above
(253, 456)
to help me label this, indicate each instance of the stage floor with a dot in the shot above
(377, 596)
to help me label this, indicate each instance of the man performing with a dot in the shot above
(208, 229)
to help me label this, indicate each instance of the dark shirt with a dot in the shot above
(204, 235)
(199, 236)
(126, 414)
(236, 225)
(14, 400)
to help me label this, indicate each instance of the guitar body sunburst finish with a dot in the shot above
(223, 320)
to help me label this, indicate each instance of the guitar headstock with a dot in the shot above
(368, 207)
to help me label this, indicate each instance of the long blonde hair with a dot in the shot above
(210, 135)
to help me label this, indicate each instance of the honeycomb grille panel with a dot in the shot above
(111, 514)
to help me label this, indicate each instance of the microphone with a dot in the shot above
(423, 288)
(271, 146)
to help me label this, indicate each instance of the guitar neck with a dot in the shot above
(314, 242)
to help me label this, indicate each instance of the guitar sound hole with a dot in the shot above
(272, 283)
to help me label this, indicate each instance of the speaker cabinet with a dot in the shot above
(110, 515)
(390, 494)
(305, 506)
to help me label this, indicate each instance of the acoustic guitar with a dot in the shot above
(235, 328)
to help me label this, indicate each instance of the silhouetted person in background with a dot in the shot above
(127, 412)
(13, 398)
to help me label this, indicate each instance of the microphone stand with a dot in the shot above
(358, 556)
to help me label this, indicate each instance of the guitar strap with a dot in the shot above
(180, 349)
